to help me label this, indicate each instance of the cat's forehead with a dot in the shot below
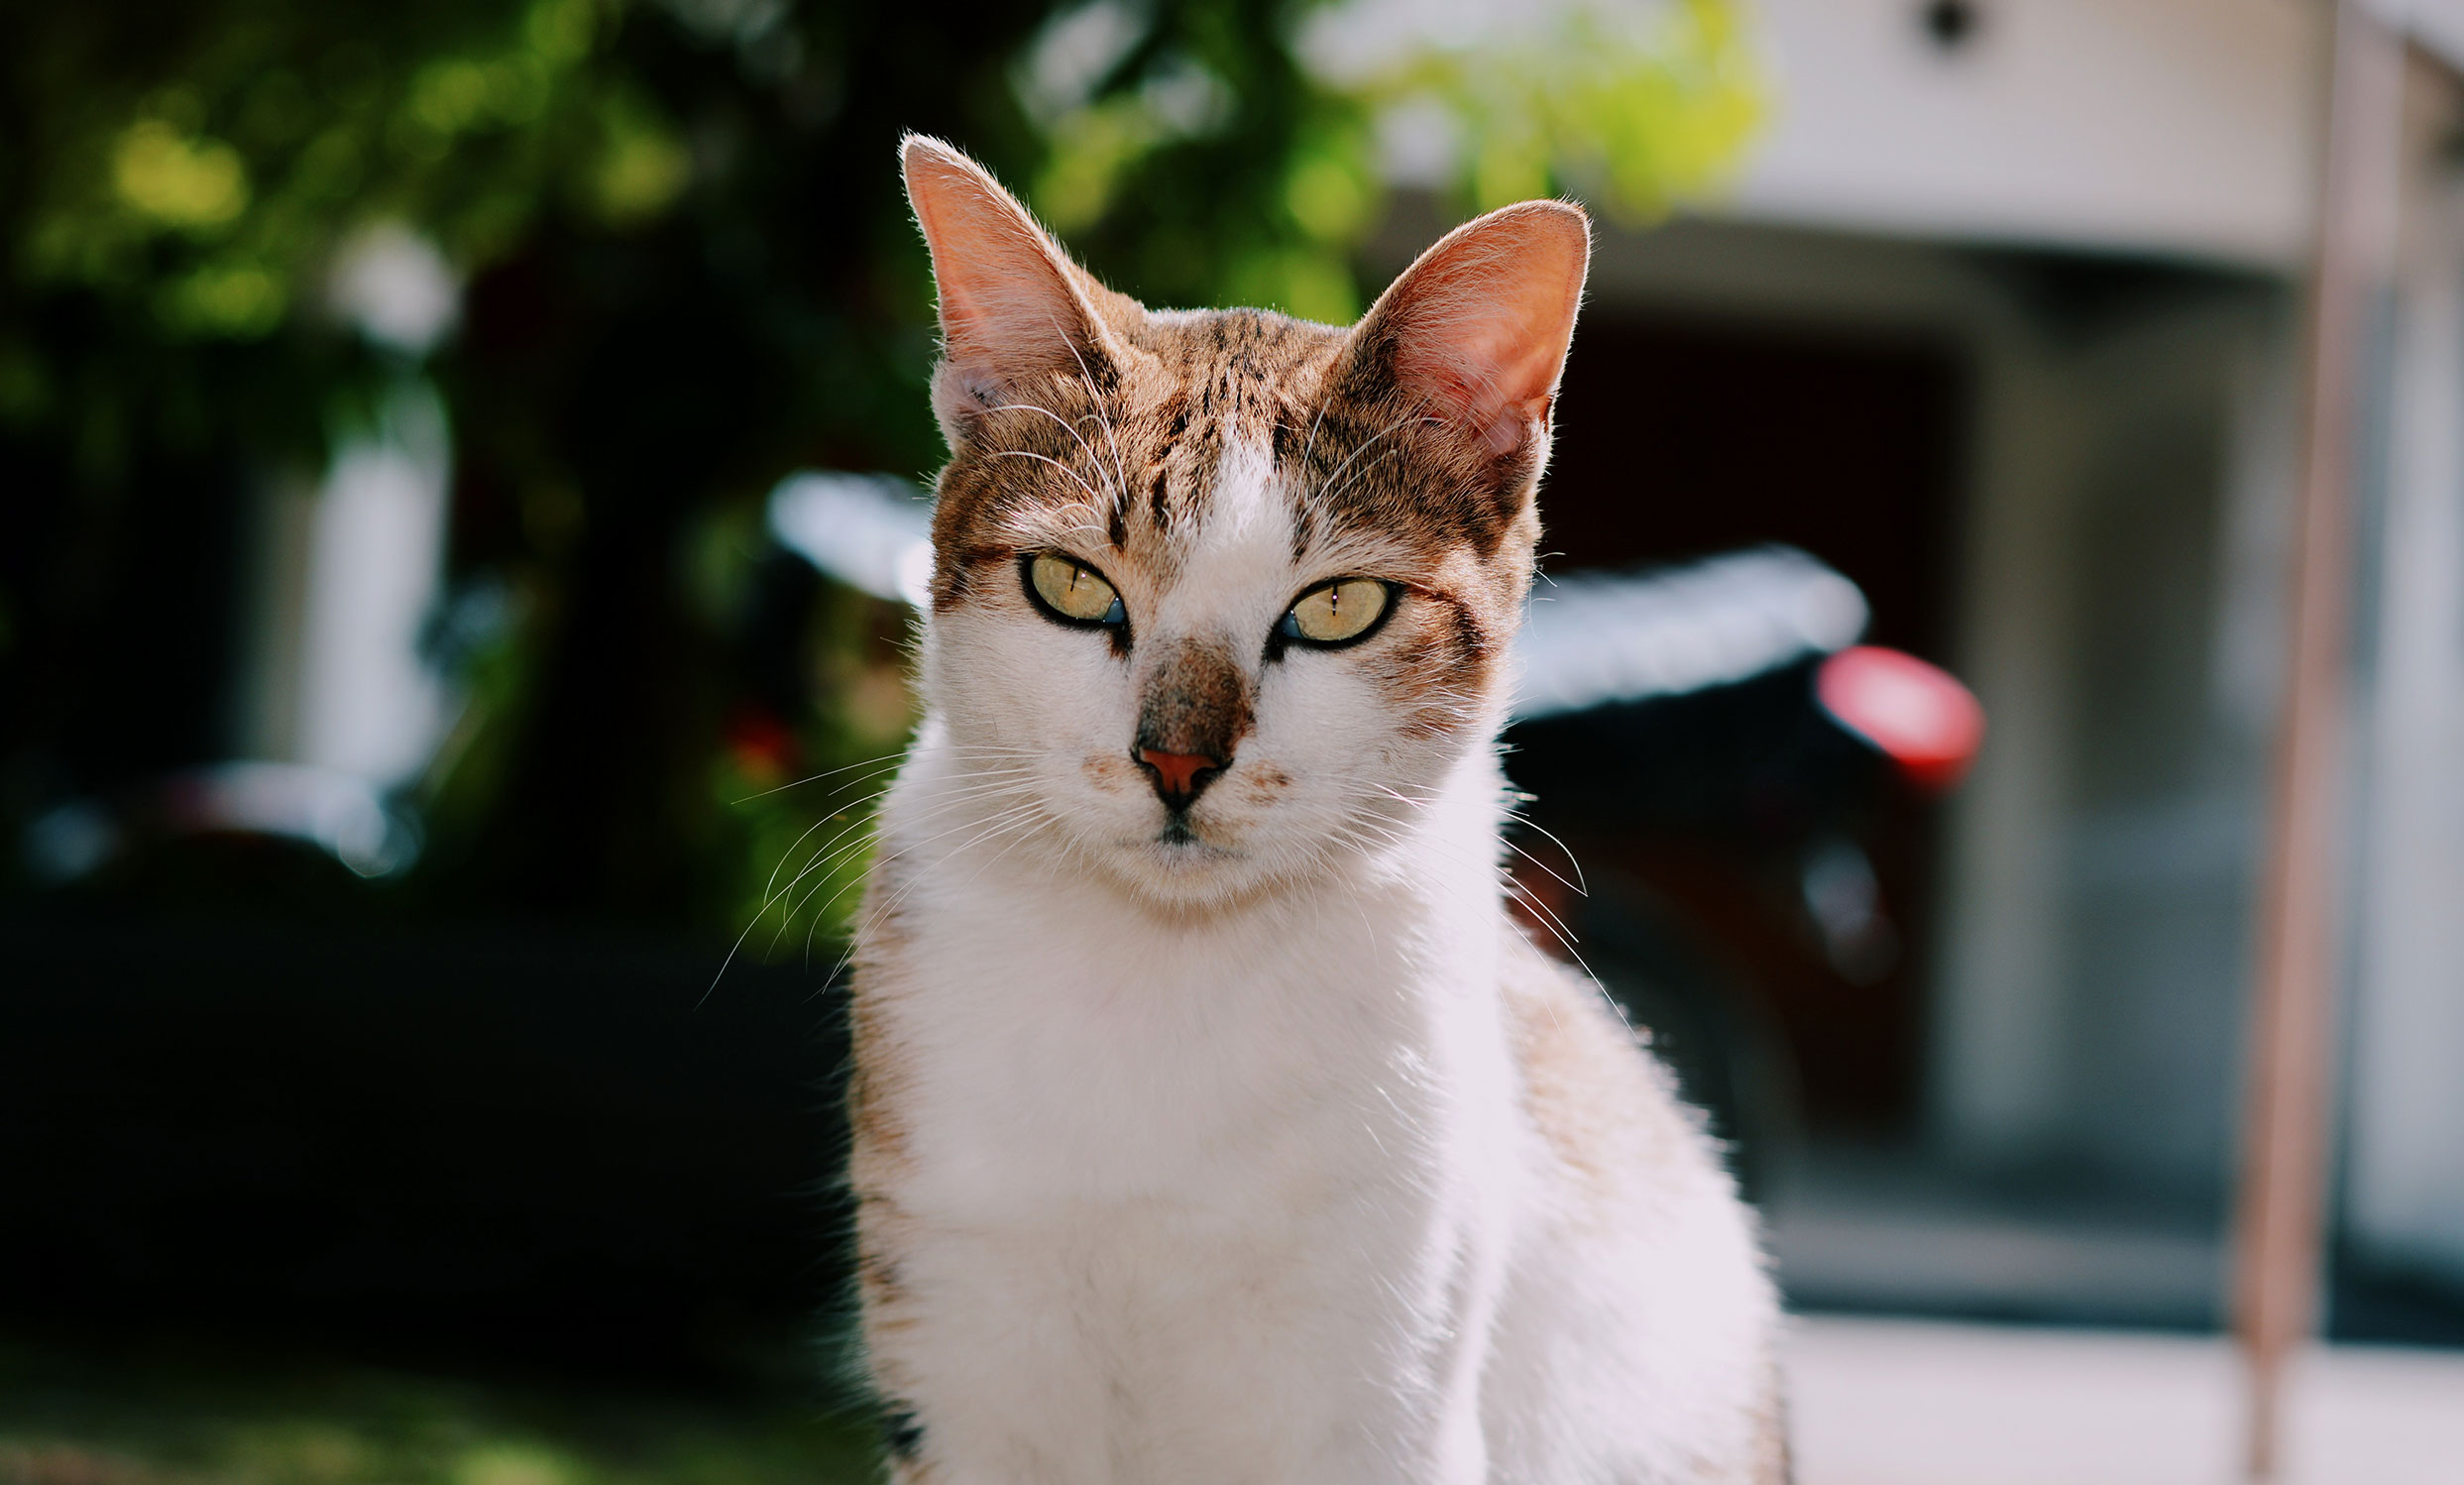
(1215, 432)
(1213, 402)
(1232, 360)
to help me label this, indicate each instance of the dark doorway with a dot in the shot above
(1681, 438)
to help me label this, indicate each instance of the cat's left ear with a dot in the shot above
(1014, 309)
(1476, 331)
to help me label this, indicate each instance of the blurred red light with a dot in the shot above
(763, 748)
(1921, 718)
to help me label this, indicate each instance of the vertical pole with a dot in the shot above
(2285, 1137)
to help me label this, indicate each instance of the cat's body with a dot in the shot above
(1213, 1121)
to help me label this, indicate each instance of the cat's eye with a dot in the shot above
(1337, 613)
(1073, 591)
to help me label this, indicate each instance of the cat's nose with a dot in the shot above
(1179, 778)
(1194, 709)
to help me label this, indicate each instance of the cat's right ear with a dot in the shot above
(1014, 311)
(1476, 331)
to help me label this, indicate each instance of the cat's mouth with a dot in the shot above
(1181, 843)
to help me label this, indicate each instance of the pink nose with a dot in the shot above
(1180, 777)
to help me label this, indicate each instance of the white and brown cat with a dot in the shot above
(1213, 1121)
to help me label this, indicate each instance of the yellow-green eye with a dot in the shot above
(1336, 613)
(1071, 592)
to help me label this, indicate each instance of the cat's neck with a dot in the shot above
(1051, 1009)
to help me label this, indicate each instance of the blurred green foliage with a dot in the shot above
(1234, 151)
(176, 177)
(688, 271)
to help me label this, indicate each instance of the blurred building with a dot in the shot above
(2003, 320)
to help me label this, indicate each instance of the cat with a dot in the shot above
(1212, 1120)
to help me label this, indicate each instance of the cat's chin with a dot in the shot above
(1178, 869)
(1177, 854)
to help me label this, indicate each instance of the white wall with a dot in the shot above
(2178, 127)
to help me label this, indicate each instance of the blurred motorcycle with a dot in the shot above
(1715, 750)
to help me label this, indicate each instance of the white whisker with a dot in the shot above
(1090, 490)
(1084, 447)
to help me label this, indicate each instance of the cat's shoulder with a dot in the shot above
(1593, 1090)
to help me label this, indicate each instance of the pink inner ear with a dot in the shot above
(993, 295)
(1482, 375)
(1481, 323)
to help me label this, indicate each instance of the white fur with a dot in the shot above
(1215, 1164)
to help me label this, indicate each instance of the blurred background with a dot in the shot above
(459, 467)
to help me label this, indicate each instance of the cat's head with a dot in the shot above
(1224, 594)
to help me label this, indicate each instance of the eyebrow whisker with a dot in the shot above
(1092, 493)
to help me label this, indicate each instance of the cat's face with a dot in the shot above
(1222, 598)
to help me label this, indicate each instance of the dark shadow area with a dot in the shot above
(547, 1148)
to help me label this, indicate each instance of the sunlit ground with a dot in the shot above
(1902, 1403)
(161, 1416)
(1875, 1403)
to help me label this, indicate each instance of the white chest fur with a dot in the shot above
(1229, 1190)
